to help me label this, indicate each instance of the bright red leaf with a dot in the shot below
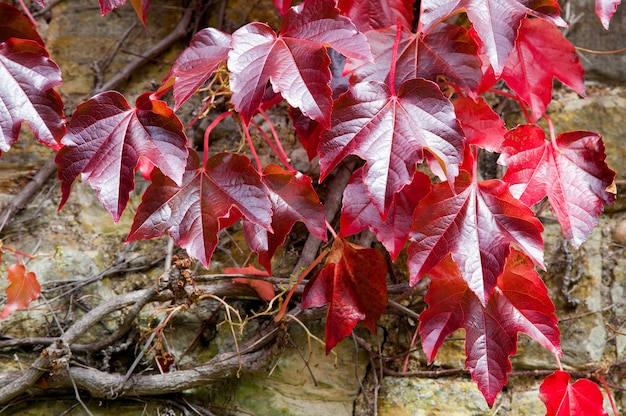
(208, 199)
(391, 133)
(295, 62)
(563, 399)
(13, 24)
(208, 48)
(22, 290)
(605, 9)
(282, 6)
(570, 171)
(293, 199)
(28, 77)
(447, 51)
(526, 71)
(140, 7)
(376, 14)
(352, 283)
(482, 126)
(263, 288)
(476, 223)
(495, 21)
(106, 138)
(359, 213)
(519, 303)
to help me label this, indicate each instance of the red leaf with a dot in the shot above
(107, 6)
(448, 51)
(520, 303)
(198, 62)
(28, 77)
(282, 6)
(376, 14)
(391, 133)
(22, 290)
(141, 8)
(476, 223)
(13, 24)
(526, 71)
(359, 213)
(293, 199)
(106, 138)
(295, 62)
(482, 126)
(495, 21)
(571, 171)
(352, 283)
(263, 288)
(605, 9)
(564, 399)
(208, 199)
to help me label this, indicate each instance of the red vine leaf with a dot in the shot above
(352, 283)
(293, 199)
(482, 126)
(208, 199)
(359, 213)
(605, 9)
(519, 303)
(495, 21)
(106, 138)
(22, 290)
(295, 61)
(282, 6)
(13, 24)
(376, 14)
(563, 399)
(476, 223)
(208, 48)
(570, 171)
(140, 7)
(263, 288)
(391, 133)
(527, 74)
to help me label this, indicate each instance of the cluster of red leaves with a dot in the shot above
(360, 79)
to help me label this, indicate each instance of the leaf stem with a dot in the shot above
(208, 131)
(608, 393)
(514, 97)
(551, 129)
(394, 58)
(252, 149)
(282, 155)
(331, 230)
(28, 14)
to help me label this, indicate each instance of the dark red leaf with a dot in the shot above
(526, 71)
(293, 199)
(605, 9)
(519, 303)
(495, 21)
(13, 24)
(107, 6)
(295, 62)
(263, 288)
(482, 126)
(28, 77)
(198, 62)
(208, 199)
(106, 138)
(476, 223)
(359, 213)
(570, 171)
(282, 6)
(22, 290)
(564, 399)
(376, 14)
(391, 133)
(447, 51)
(352, 283)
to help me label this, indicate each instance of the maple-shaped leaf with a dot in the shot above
(519, 303)
(293, 199)
(482, 126)
(352, 283)
(526, 71)
(390, 132)
(495, 21)
(28, 77)
(376, 14)
(208, 199)
(563, 399)
(476, 223)
(295, 62)
(359, 213)
(605, 9)
(569, 170)
(13, 24)
(106, 138)
(22, 290)
(208, 48)
(447, 51)
(263, 288)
